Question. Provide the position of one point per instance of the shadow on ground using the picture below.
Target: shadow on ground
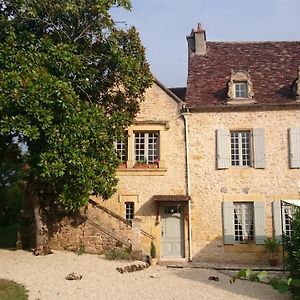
(245, 289)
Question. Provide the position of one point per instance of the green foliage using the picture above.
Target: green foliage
(152, 250)
(80, 248)
(272, 245)
(10, 290)
(118, 253)
(70, 83)
(282, 285)
(249, 275)
(8, 236)
(292, 246)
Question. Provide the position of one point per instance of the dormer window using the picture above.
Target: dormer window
(240, 88)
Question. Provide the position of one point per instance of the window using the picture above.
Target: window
(243, 222)
(240, 148)
(129, 211)
(121, 148)
(240, 89)
(287, 215)
(146, 146)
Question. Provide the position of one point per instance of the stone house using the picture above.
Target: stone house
(203, 178)
(244, 144)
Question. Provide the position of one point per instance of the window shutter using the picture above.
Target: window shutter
(259, 148)
(259, 222)
(294, 143)
(223, 148)
(228, 222)
(277, 217)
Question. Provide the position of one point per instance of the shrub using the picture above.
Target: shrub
(118, 253)
(152, 250)
(292, 246)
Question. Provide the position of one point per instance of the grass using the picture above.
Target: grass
(10, 290)
(8, 236)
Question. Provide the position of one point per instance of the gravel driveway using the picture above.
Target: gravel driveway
(44, 277)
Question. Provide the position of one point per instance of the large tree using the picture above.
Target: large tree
(70, 83)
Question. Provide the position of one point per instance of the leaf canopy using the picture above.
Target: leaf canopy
(70, 82)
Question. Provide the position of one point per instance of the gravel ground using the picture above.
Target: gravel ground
(44, 277)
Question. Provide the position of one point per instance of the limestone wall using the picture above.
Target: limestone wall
(139, 186)
(210, 186)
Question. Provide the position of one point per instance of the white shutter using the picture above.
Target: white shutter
(277, 219)
(259, 148)
(228, 222)
(259, 222)
(294, 149)
(223, 148)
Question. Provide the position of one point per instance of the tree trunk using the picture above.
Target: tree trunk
(41, 230)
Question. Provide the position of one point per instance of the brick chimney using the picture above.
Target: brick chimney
(197, 41)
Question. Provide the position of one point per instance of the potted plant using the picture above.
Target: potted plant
(141, 164)
(153, 259)
(272, 247)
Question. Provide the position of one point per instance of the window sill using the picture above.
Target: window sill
(142, 172)
(239, 101)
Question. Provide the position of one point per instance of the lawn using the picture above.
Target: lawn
(10, 290)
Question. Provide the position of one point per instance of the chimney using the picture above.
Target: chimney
(197, 41)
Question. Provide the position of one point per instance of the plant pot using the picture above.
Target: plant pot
(153, 166)
(140, 166)
(274, 262)
(153, 261)
(122, 166)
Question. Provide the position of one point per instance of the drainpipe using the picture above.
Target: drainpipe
(185, 114)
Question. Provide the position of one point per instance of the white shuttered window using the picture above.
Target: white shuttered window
(244, 148)
(243, 222)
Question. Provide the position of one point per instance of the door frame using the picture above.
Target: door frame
(183, 208)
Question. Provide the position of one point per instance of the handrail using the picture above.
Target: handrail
(96, 204)
(105, 231)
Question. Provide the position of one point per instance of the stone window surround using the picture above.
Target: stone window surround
(144, 126)
(240, 77)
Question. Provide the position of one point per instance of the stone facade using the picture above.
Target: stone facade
(211, 186)
(158, 112)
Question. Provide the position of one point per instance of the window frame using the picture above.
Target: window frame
(240, 89)
(242, 162)
(247, 235)
(121, 148)
(148, 151)
(129, 210)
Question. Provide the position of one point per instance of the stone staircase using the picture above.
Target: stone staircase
(98, 229)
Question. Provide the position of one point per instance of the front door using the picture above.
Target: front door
(172, 233)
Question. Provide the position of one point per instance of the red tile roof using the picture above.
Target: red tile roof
(273, 69)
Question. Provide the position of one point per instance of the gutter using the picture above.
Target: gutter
(185, 114)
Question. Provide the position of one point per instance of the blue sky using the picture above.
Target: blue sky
(163, 26)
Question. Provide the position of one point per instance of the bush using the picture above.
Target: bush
(118, 253)
(292, 246)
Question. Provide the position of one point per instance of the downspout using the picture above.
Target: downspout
(185, 114)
